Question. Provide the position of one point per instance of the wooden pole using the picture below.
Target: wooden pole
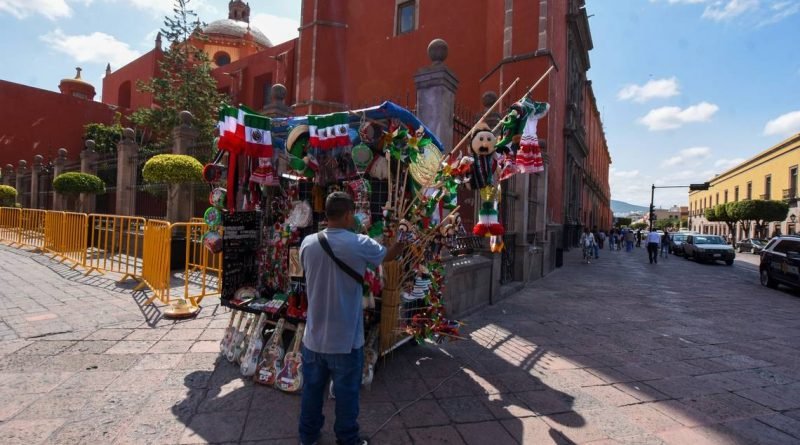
(466, 136)
(529, 92)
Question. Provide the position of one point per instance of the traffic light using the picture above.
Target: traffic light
(652, 212)
(703, 186)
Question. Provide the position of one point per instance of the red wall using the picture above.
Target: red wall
(35, 121)
(143, 68)
(257, 68)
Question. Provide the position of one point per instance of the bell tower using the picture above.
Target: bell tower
(239, 11)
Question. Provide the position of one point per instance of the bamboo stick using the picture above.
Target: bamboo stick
(529, 92)
(488, 111)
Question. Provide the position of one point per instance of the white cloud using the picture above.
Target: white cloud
(96, 47)
(725, 164)
(780, 11)
(624, 173)
(687, 155)
(784, 125)
(657, 88)
(668, 118)
(278, 29)
(722, 10)
(52, 9)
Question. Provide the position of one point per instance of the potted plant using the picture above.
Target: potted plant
(72, 184)
(8, 196)
(177, 171)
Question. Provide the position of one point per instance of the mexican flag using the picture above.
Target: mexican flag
(227, 126)
(328, 131)
(258, 137)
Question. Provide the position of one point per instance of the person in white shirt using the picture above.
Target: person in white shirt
(653, 240)
(587, 244)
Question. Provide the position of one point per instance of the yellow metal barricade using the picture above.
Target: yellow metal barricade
(115, 245)
(31, 232)
(203, 269)
(156, 260)
(9, 224)
(65, 236)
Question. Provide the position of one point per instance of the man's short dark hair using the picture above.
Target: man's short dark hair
(338, 204)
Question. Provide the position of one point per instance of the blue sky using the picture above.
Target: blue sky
(686, 88)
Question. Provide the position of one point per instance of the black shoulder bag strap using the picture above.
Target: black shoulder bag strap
(323, 241)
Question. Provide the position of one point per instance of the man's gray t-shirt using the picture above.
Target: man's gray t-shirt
(335, 323)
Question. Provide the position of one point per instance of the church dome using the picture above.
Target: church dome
(236, 29)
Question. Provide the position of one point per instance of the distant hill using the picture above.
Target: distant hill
(619, 207)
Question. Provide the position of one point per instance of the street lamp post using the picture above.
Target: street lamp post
(692, 187)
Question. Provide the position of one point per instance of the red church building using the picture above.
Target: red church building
(361, 52)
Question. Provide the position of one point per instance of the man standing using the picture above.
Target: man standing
(653, 239)
(334, 261)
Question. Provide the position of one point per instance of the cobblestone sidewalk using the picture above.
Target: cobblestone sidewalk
(614, 352)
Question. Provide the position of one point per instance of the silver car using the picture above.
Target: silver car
(709, 248)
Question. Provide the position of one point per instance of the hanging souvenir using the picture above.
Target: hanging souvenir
(362, 157)
(488, 223)
(212, 240)
(300, 216)
(529, 156)
(213, 217)
(297, 150)
(217, 197)
(511, 129)
(483, 147)
(264, 174)
(426, 166)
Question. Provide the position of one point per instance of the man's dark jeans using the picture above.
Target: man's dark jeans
(652, 252)
(345, 371)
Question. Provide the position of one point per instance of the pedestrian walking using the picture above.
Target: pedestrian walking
(596, 246)
(601, 238)
(639, 238)
(653, 239)
(612, 239)
(334, 261)
(665, 245)
(629, 240)
(588, 244)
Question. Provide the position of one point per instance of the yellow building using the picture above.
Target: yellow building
(770, 175)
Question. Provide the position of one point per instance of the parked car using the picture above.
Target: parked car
(702, 247)
(780, 262)
(676, 241)
(752, 245)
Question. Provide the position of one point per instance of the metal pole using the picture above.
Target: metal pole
(652, 210)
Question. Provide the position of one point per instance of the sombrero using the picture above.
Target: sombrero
(294, 134)
(181, 309)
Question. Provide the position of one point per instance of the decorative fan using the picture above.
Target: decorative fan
(426, 166)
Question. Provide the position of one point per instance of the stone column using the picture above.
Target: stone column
(127, 161)
(180, 203)
(277, 106)
(436, 93)
(58, 168)
(35, 172)
(488, 99)
(8, 175)
(22, 168)
(88, 159)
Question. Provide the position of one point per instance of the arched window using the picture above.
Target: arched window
(124, 95)
(222, 58)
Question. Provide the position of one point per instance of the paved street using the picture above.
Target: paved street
(615, 352)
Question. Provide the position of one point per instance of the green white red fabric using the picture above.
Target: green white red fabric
(529, 156)
(488, 222)
(328, 132)
(258, 136)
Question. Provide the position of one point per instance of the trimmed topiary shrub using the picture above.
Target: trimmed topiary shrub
(73, 183)
(172, 169)
(8, 196)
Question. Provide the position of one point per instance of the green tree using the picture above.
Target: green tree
(622, 222)
(727, 214)
(184, 82)
(760, 213)
(639, 225)
(664, 224)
